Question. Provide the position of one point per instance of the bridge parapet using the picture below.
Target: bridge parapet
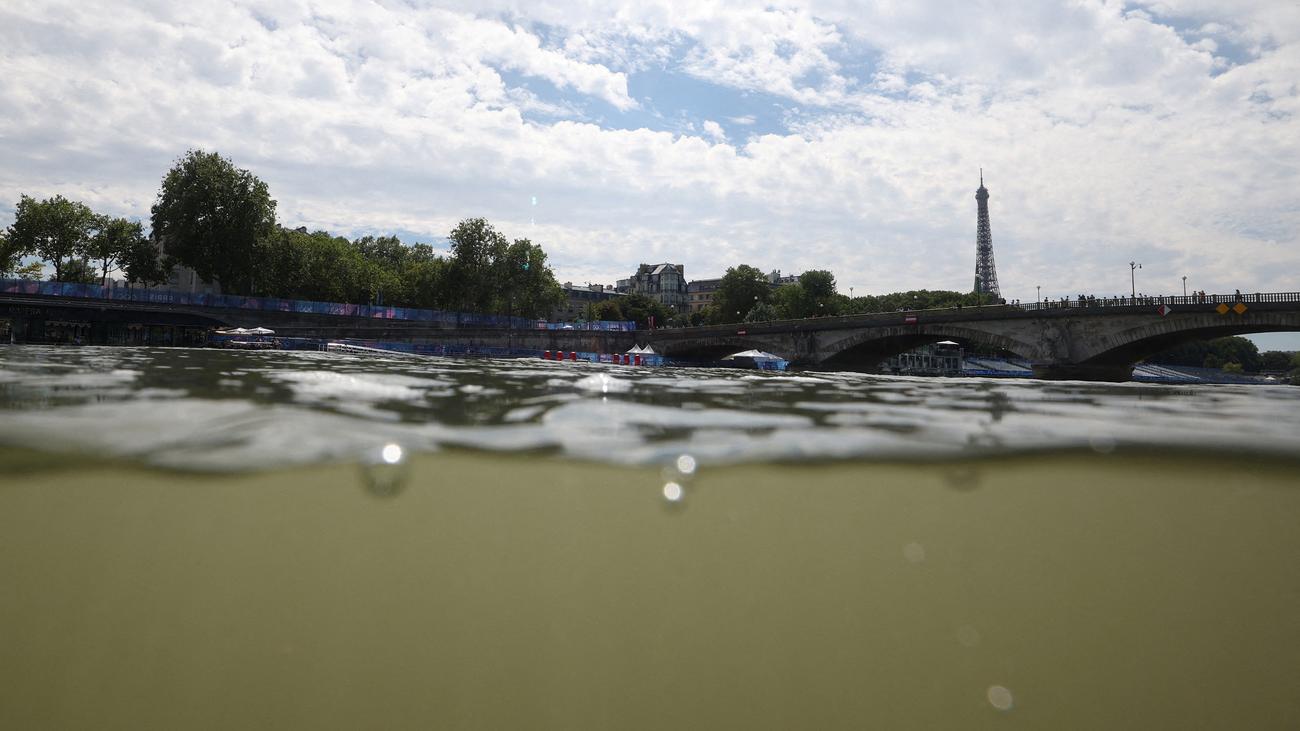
(1094, 339)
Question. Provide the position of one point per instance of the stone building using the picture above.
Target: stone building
(664, 283)
(576, 299)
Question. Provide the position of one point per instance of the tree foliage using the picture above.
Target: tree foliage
(741, 288)
(78, 271)
(213, 217)
(56, 229)
(636, 307)
(1213, 354)
(31, 272)
(1278, 360)
(114, 239)
(10, 256)
(489, 273)
(143, 263)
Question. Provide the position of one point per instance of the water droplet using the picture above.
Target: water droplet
(385, 470)
(914, 552)
(686, 464)
(1000, 698)
(673, 492)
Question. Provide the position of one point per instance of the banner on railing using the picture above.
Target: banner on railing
(274, 304)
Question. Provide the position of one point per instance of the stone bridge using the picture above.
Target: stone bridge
(1098, 340)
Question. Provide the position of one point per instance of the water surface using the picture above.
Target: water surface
(207, 539)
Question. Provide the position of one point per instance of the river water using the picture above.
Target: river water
(231, 539)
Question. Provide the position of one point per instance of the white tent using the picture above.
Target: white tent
(261, 331)
(235, 331)
(753, 354)
(647, 350)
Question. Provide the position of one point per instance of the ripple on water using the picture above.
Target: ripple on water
(239, 409)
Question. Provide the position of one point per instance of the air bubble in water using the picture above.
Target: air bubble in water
(914, 552)
(681, 470)
(673, 492)
(385, 470)
(686, 464)
(1000, 698)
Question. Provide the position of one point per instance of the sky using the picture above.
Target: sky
(835, 135)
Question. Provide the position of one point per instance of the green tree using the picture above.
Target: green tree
(475, 245)
(1275, 360)
(113, 240)
(31, 272)
(55, 229)
(818, 284)
(610, 310)
(639, 308)
(387, 251)
(762, 312)
(425, 282)
(1213, 354)
(317, 266)
(78, 271)
(143, 263)
(214, 217)
(741, 288)
(525, 285)
(10, 257)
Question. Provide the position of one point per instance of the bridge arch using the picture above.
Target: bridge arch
(1129, 346)
(868, 348)
(712, 348)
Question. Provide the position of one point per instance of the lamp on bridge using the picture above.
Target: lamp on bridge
(1132, 277)
(1184, 285)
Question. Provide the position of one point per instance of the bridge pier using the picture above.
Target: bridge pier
(1083, 372)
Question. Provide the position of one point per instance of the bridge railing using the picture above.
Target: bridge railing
(274, 304)
(1146, 300)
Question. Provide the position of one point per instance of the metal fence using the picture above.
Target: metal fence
(1086, 301)
(274, 304)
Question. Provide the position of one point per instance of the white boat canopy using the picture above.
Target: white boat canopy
(753, 354)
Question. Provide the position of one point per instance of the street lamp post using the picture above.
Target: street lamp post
(1132, 278)
(1184, 285)
(1039, 287)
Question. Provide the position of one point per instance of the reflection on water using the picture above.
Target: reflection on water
(212, 409)
(409, 543)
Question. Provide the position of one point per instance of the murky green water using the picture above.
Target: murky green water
(205, 539)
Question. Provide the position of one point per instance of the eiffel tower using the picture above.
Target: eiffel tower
(986, 273)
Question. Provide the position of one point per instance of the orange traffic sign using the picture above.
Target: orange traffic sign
(1222, 309)
(1239, 308)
